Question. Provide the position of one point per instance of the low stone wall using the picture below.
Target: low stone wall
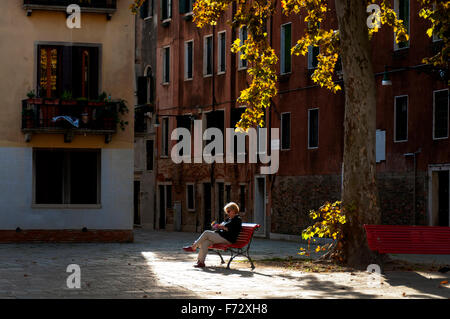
(294, 196)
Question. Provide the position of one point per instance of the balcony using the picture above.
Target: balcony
(57, 116)
(107, 7)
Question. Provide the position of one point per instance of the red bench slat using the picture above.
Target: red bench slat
(243, 239)
(402, 239)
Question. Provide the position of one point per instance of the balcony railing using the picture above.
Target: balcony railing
(69, 118)
(96, 6)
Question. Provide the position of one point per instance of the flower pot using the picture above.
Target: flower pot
(69, 102)
(52, 101)
(35, 101)
(92, 103)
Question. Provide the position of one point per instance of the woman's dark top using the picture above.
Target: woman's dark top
(234, 226)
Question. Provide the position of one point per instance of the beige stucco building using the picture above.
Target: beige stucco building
(66, 164)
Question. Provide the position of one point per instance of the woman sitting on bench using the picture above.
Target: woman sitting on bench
(225, 233)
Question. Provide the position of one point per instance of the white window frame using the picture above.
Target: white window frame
(281, 131)
(282, 49)
(169, 11)
(205, 54)
(186, 62)
(434, 114)
(187, 197)
(396, 9)
(395, 118)
(240, 61)
(318, 127)
(164, 80)
(219, 49)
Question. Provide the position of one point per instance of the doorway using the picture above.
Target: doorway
(165, 203)
(259, 216)
(136, 203)
(439, 202)
(207, 206)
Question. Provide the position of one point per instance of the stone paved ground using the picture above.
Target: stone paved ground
(154, 266)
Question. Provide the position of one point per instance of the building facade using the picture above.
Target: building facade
(199, 79)
(144, 141)
(66, 139)
(197, 83)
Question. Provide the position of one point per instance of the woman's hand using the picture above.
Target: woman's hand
(222, 227)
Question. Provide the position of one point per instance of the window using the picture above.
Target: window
(221, 58)
(146, 10)
(285, 131)
(313, 128)
(207, 55)
(402, 9)
(243, 37)
(235, 117)
(149, 144)
(190, 196)
(166, 65)
(401, 119)
(216, 119)
(242, 197)
(440, 114)
(74, 69)
(184, 121)
(313, 52)
(67, 177)
(186, 6)
(188, 59)
(145, 93)
(166, 9)
(286, 44)
(165, 137)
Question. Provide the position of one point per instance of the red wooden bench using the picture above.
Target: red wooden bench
(400, 239)
(242, 245)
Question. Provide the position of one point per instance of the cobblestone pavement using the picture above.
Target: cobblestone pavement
(154, 266)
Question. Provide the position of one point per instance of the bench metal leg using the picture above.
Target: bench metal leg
(240, 252)
(221, 258)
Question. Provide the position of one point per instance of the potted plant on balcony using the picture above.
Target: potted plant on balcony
(100, 101)
(32, 98)
(67, 99)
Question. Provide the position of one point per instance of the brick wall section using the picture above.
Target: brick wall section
(66, 236)
(396, 191)
(294, 196)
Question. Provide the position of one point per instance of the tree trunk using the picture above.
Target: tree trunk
(359, 194)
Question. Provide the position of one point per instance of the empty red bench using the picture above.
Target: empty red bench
(242, 245)
(401, 239)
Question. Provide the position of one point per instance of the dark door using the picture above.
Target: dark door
(221, 200)
(162, 208)
(136, 202)
(443, 200)
(207, 207)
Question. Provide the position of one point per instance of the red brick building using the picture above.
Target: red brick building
(199, 78)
